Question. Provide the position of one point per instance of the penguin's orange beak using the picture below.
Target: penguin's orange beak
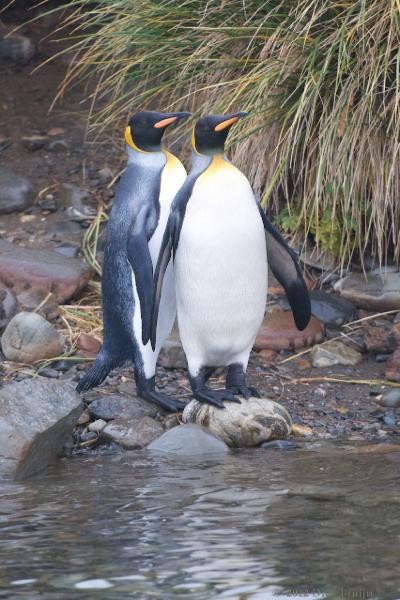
(226, 124)
(165, 122)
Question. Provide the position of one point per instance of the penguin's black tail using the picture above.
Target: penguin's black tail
(97, 372)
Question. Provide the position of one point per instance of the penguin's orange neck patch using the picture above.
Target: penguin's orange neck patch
(218, 165)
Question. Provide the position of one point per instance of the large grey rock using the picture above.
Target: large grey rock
(40, 301)
(189, 440)
(379, 291)
(132, 434)
(29, 337)
(36, 418)
(22, 268)
(16, 192)
(8, 306)
(247, 424)
(334, 353)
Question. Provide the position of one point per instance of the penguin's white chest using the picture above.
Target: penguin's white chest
(220, 269)
(172, 178)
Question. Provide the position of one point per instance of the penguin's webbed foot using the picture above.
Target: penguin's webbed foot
(146, 390)
(236, 382)
(162, 400)
(245, 391)
(215, 397)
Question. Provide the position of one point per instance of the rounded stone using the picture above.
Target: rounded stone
(248, 424)
(29, 337)
(16, 192)
(391, 399)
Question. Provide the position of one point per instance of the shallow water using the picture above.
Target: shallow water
(321, 522)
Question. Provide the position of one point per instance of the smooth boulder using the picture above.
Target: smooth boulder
(36, 418)
(188, 440)
(16, 192)
(29, 337)
(248, 424)
(376, 291)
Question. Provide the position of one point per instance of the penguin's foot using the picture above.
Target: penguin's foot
(236, 382)
(245, 391)
(162, 400)
(146, 390)
(214, 397)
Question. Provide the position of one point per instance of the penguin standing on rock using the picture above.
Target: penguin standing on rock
(221, 239)
(135, 231)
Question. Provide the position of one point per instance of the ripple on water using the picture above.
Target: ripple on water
(323, 522)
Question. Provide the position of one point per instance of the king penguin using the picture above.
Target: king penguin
(220, 239)
(135, 230)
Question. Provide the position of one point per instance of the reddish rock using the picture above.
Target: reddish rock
(302, 363)
(23, 268)
(384, 338)
(40, 301)
(88, 345)
(392, 371)
(279, 332)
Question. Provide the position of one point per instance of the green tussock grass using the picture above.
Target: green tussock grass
(321, 79)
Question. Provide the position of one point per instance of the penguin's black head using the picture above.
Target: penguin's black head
(145, 129)
(210, 133)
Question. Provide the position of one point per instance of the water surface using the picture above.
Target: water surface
(321, 522)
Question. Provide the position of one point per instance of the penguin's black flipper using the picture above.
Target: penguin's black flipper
(140, 261)
(284, 265)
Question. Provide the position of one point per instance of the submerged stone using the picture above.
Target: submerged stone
(376, 291)
(189, 440)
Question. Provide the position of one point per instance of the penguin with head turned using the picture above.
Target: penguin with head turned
(135, 232)
(221, 241)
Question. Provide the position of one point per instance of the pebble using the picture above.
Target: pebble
(8, 306)
(97, 426)
(16, 192)
(14, 46)
(88, 345)
(391, 399)
(131, 434)
(59, 146)
(381, 358)
(29, 337)
(392, 371)
(49, 372)
(301, 430)
(245, 424)
(390, 421)
(84, 418)
(334, 353)
(189, 440)
(105, 175)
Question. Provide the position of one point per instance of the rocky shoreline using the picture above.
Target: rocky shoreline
(338, 378)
